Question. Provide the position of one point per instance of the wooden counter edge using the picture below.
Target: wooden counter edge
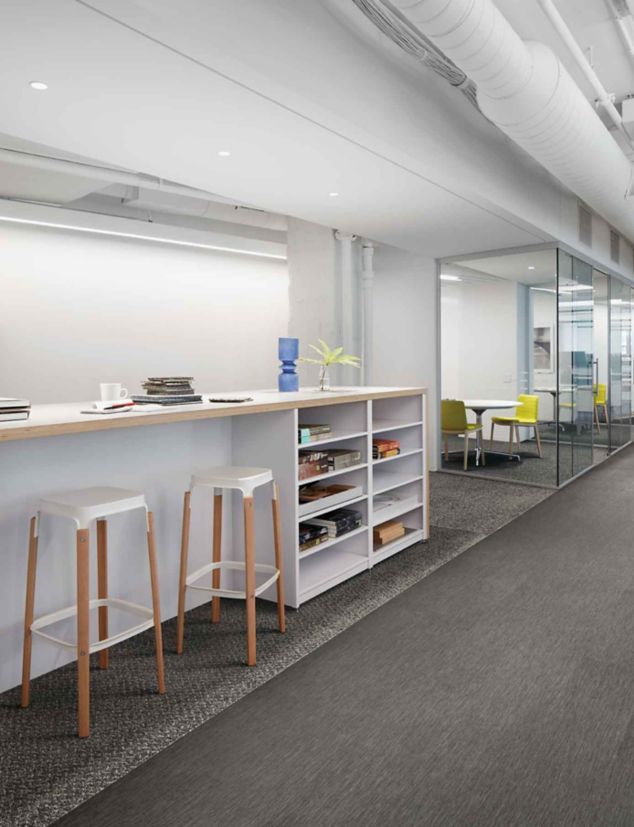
(131, 420)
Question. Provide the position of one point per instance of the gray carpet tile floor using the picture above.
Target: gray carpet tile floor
(533, 468)
(495, 693)
(46, 771)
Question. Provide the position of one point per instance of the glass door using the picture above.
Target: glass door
(601, 348)
(620, 390)
(575, 399)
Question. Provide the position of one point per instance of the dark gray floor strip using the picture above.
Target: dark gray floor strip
(496, 692)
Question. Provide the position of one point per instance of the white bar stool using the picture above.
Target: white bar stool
(245, 480)
(84, 507)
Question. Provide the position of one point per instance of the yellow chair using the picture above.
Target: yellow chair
(526, 415)
(453, 420)
(600, 392)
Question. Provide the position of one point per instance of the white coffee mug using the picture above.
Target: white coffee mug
(112, 391)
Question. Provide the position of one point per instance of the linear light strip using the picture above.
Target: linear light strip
(140, 237)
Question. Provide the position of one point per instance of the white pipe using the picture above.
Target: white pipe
(525, 90)
(552, 13)
(367, 309)
(346, 297)
(111, 176)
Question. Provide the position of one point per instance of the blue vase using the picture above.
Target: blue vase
(288, 353)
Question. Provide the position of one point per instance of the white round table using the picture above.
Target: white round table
(479, 406)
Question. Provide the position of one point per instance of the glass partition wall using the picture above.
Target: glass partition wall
(536, 344)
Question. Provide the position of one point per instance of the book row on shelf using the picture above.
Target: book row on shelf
(12, 409)
(314, 463)
(317, 530)
(384, 448)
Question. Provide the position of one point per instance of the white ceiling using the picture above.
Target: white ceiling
(159, 87)
(515, 267)
(305, 96)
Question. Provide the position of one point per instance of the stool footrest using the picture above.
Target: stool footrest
(110, 602)
(232, 565)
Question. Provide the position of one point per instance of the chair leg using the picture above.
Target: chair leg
(517, 437)
(491, 437)
(596, 418)
(83, 631)
(217, 552)
(249, 565)
(482, 451)
(510, 439)
(156, 604)
(446, 449)
(538, 441)
(182, 590)
(28, 612)
(102, 586)
(607, 415)
(277, 537)
(466, 451)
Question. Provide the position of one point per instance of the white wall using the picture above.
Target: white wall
(79, 309)
(405, 328)
(479, 341)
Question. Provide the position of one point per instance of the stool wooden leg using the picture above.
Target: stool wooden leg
(156, 604)
(217, 551)
(83, 631)
(277, 536)
(249, 561)
(102, 586)
(28, 612)
(182, 590)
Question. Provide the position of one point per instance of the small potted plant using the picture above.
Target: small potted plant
(328, 357)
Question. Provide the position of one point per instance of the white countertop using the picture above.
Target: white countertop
(66, 418)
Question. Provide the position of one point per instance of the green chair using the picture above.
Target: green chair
(453, 421)
(600, 401)
(525, 415)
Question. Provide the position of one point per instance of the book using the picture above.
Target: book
(11, 416)
(383, 448)
(310, 536)
(312, 469)
(311, 456)
(162, 399)
(339, 458)
(388, 531)
(337, 522)
(11, 402)
(393, 452)
(314, 496)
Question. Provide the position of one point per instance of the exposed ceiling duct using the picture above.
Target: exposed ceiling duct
(524, 89)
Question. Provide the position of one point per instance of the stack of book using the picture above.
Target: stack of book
(13, 409)
(339, 458)
(337, 522)
(311, 535)
(384, 448)
(312, 463)
(312, 433)
(386, 532)
(168, 390)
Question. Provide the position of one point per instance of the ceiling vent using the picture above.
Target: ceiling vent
(615, 246)
(585, 226)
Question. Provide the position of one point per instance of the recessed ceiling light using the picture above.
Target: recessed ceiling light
(531, 267)
(39, 85)
(444, 277)
(224, 153)
(333, 194)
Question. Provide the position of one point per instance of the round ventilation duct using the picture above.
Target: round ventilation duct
(525, 90)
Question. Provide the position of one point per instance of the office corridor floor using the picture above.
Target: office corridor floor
(45, 771)
(497, 691)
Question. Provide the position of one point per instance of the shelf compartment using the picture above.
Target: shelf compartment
(411, 536)
(387, 481)
(398, 456)
(384, 515)
(332, 474)
(305, 515)
(321, 572)
(334, 436)
(330, 543)
(380, 426)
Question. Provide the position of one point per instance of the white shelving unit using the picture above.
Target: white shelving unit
(271, 440)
